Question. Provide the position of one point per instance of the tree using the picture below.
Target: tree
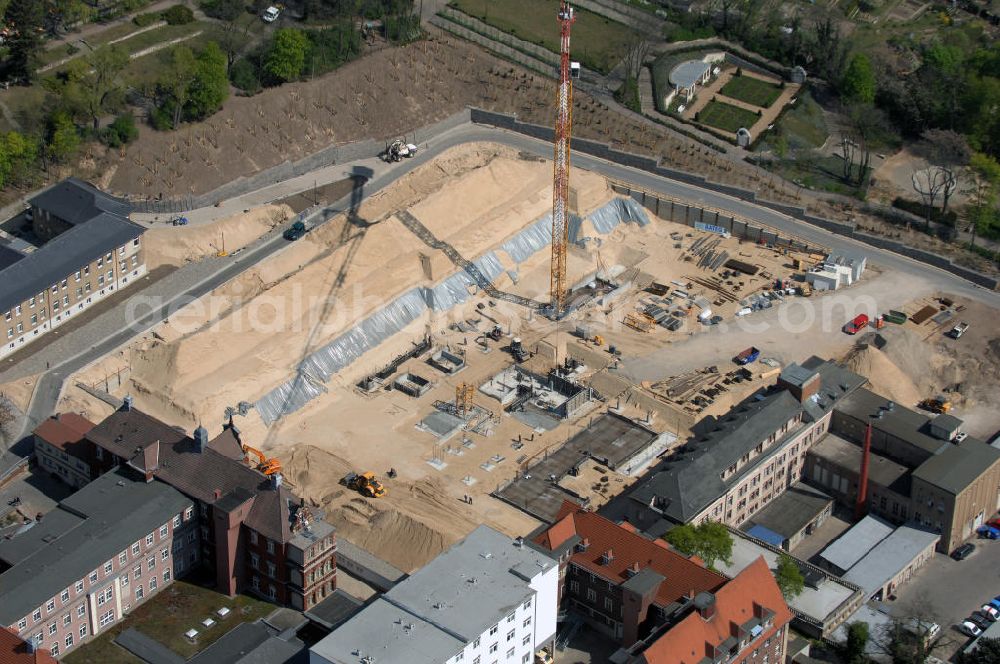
(947, 150)
(857, 641)
(930, 183)
(710, 541)
(982, 213)
(63, 138)
(94, 82)
(24, 19)
(62, 13)
(635, 55)
(225, 10)
(987, 651)
(287, 55)
(912, 638)
(22, 154)
(858, 82)
(177, 84)
(789, 576)
(209, 87)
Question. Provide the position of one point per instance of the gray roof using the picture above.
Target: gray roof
(947, 422)
(688, 73)
(958, 466)
(694, 480)
(797, 375)
(791, 511)
(855, 544)
(473, 584)
(836, 385)
(882, 470)
(75, 202)
(890, 557)
(336, 608)
(900, 422)
(391, 635)
(9, 256)
(253, 643)
(63, 255)
(113, 511)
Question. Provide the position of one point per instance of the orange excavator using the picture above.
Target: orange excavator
(264, 464)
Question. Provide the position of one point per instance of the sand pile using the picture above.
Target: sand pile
(395, 537)
(175, 245)
(885, 377)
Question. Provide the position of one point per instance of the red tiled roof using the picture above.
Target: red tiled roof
(13, 650)
(681, 576)
(689, 641)
(64, 429)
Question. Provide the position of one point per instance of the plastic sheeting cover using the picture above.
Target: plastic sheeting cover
(322, 364)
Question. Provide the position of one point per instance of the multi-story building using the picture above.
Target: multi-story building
(103, 551)
(737, 464)
(90, 250)
(487, 599)
(255, 533)
(62, 450)
(920, 469)
(661, 606)
(15, 650)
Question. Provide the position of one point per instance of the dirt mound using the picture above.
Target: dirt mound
(885, 377)
(397, 538)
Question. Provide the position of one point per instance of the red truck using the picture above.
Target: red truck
(859, 323)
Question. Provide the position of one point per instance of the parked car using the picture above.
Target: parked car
(979, 620)
(295, 231)
(271, 14)
(969, 629)
(964, 551)
(988, 532)
(990, 612)
(995, 603)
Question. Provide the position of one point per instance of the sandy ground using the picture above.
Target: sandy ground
(19, 391)
(176, 245)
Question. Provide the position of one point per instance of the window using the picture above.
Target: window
(77, 276)
(510, 653)
(108, 567)
(64, 596)
(79, 586)
(525, 657)
(17, 310)
(591, 595)
(135, 547)
(271, 569)
(527, 621)
(253, 536)
(272, 592)
(52, 628)
(40, 637)
(108, 257)
(254, 561)
(149, 539)
(10, 333)
(177, 521)
(64, 284)
(166, 576)
(152, 584)
(50, 606)
(164, 554)
(188, 513)
(494, 647)
(31, 302)
(510, 635)
(609, 604)
(83, 630)
(67, 619)
(510, 618)
(270, 546)
(20, 328)
(125, 580)
(81, 610)
(163, 531)
(107, 618)
(493, 630)
(123, 557)
(93, 576)
(526, 640)
(255, 582)
(22, 623)
(135, 242)
(475, 644)
(139, 593)
(476, 660)
(54, 650)
(137, 572)
(151, 562)
(111, 275)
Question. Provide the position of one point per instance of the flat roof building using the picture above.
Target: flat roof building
(791, 517)
(844, 552)
(892, 561)
(487, 597)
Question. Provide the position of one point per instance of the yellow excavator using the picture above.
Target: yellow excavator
(264, 464)
(939, 404)
(365, 484)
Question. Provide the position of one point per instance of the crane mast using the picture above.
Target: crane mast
(560, 180)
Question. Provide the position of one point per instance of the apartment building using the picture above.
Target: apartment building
(90, 250)
(62, 450)
(487, 599)
(253, 531)
(737, 464)
(103, 551)
(919, 470)
(659, 605)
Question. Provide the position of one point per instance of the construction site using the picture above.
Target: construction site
(482, 338)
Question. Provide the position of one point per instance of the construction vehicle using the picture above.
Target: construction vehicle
(938, 404)
(598, 340)
(399, 150)
(496, 333)
(268, 466)
(517, 350)
(365, 484)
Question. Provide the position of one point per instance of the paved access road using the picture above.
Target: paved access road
(211, 273)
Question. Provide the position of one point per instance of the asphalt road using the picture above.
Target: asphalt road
(46, 395)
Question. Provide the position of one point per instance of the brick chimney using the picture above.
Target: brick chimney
(151, 459)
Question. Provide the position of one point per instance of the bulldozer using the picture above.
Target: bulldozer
(365, 484)
(264, 464)
(938, 404)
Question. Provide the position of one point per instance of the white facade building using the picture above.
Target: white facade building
(486, 600)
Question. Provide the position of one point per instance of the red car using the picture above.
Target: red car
(859, 323)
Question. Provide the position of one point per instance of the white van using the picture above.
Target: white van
(271, 14)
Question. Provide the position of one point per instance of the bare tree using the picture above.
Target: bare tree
(914, 637)
(636, 51)
(949, 151)
(931, 183)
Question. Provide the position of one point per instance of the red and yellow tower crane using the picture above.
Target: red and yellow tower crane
(560, 180)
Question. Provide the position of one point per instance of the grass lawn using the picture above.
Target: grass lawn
(751, 90)
(803, 125)
(598, 42)
(817, 172)
(166, 617)
(726, 117)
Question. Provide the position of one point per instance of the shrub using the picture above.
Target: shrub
(149, 18)
(120, 132)
(920, 209)
(243, 75)
(178, 15)
(162, 117)
(739, 71)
